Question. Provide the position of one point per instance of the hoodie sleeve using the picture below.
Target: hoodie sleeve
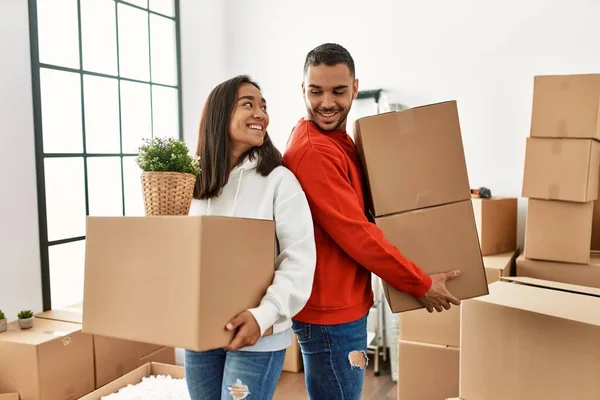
(296, 262)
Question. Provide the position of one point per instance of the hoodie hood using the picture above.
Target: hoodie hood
(237, 173)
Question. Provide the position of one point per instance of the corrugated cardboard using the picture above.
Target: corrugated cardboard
(561, 169)
(135, 377)
(531, 339)
(166, 355)
(575, 274)
(413, 158)
(433, 328)
(174, 281)
(496, 221)
(437, 239)
(51, 361)
(293, 357)
(499, 265)
(566, 106)
(442, 376)
(9, 396)
(558, 231)
(145, 349)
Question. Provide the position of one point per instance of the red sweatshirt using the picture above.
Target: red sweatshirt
(349, 246)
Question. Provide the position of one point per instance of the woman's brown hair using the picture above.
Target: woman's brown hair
(214, 141)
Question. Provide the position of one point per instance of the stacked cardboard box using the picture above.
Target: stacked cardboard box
(417, 178)
(562, 169)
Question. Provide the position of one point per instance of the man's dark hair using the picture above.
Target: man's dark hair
(329, 54)
(213, 141)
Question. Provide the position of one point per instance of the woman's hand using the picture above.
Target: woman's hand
(248, 331)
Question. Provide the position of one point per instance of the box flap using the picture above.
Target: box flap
(543, 299)
(174, 371)
(43, 330)
(565, 287)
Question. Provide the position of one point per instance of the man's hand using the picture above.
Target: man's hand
(248, 331)
(438, 297)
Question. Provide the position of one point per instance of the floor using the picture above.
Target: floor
(292, 387)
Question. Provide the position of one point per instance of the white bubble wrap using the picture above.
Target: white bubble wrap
(153, 387)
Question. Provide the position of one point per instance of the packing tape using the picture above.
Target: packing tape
(556, 148)
(553, 191)
(561, 128)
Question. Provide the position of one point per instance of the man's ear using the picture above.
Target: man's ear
(355, 89)
(303, 95)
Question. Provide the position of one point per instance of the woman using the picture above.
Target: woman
(242, 176)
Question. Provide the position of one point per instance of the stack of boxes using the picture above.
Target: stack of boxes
(420, 198)
(562, 169)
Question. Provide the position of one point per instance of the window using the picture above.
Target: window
(105, 75)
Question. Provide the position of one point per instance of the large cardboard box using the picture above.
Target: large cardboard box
(531, 339)
(566, 106)
(293, 357)
(413, 158)
(51, 361)
(499, 265)
(442, 364)
(496, 221)
(596, 226)
(558, 231)
(174, 281)
(9, 396)
(437, 239)
(575, 274)
(433, 328)
(561, 169)
(134, 377)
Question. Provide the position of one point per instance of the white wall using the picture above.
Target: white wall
(20, 275)
(483, 54)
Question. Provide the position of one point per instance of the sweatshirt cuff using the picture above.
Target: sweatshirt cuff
(266, 314)
(422, 288)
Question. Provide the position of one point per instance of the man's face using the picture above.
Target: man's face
(328, 93)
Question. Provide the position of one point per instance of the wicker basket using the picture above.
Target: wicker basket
(167, 193)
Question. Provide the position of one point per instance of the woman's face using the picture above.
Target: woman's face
(249, 120)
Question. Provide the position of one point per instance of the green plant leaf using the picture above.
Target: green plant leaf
(166, 155)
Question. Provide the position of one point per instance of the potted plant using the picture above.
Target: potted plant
(3, 324)
(25, 319)
(168, 177)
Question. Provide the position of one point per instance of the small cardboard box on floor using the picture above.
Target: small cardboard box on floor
(112, 357)
(293, 357)
(496, 220)
(531, 339)
(51, 361)
(134, 377)
(174, 281)
(499, 265)
(575, 274)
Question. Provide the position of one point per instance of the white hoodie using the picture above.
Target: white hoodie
(277, 197)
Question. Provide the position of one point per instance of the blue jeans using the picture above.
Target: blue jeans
(335, 358)
(218, 374)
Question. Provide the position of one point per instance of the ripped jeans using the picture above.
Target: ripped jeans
(218, 374)
(335, 358)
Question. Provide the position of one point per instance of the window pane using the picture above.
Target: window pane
(162, 43)
(65, 197)
(99, 36)
(134, 200)
(165, 111)
(61, 111)
(140, 3)
(133, 43)
(104, 186)
(66, 273)
(101, 106)
(136, 120)
(58, 32)
(165, 7)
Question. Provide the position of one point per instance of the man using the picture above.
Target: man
(331, 328)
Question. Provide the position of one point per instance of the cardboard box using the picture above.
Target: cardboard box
(174, 281)
(433, 328)
(145, 349)
(293, 357)
(496, 221)
(165, 355)
(575, 274)
(52, 360)
(135, 377)
(531, 339)
(437, 239)
(561, 169)
(9, 396)
(413, 158)
(566, 106)
(442, 363)
(558, 231)
(499, 265)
